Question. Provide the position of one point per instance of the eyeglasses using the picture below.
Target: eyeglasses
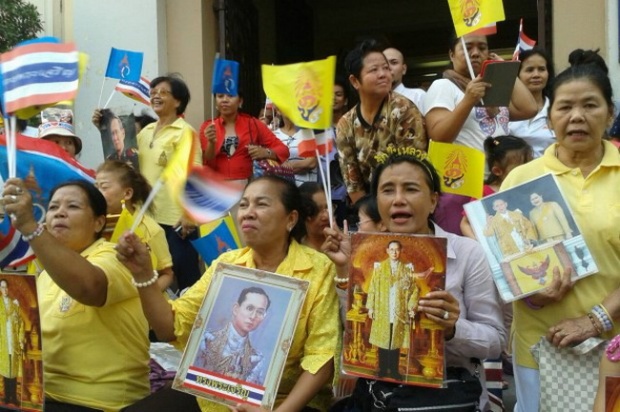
(254, 311)
(159, 92)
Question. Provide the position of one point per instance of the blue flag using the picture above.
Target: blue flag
(220, 240)
(225, 77)
(125, 65)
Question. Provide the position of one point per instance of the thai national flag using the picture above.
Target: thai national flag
(135, 90)
(42, 165)
(207, 196)
(38, 74)
(313, 140)
(523, 43)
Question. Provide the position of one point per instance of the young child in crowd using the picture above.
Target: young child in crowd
(124, 187)
(503, 154)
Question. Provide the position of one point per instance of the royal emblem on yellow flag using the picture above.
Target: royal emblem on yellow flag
(471, 15)
(304, 92)
(461, 168)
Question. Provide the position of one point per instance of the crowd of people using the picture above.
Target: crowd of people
(100, 298)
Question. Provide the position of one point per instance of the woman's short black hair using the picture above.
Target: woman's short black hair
(291, 200)
(307, 190)
(96, 201)
(179, 89)
(354, 62)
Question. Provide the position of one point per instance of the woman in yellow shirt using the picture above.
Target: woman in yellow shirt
(270, 217)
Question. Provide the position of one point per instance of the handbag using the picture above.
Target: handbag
(568, 376)
(461, 394)
(269, 167)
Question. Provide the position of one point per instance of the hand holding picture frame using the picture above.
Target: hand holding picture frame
(241, 337)
(526, 232)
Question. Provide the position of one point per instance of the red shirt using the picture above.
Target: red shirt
(232, 158)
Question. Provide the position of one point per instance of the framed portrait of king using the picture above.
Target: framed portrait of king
(386, 337)
(21, 364)
(241, 337)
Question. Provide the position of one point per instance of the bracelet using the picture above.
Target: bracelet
(531, 304)
(269, 153)
(597, 327)
(612, 349)
(148, 283)
(602, 315)
(341, 280)
(37, 232)
(604, 309)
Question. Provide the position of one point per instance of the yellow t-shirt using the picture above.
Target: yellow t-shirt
(317, 335)
(95, 356)
(595, 202)
(153, 154)
(155, 236)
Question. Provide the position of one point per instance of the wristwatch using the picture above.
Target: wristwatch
(269, 153)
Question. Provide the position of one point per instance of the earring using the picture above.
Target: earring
(123, 204)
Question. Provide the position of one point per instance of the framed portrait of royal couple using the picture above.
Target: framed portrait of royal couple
(527, 232)
(386, 338)
(241, 337)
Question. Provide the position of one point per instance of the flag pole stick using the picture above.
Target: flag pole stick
(109, 98)
(325, 188)
(9, 123)
(468, 60)
(217, 56)
(101, 93)
(328, 192)
(13, 171)
(156, 188)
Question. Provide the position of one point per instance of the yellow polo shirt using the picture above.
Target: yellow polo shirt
(595, 202)
(317, 336)
(95, 357)
(154, 152)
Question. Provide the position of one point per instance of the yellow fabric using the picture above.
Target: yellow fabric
(469, 16)
(154, 159)
(155, 236)
(304, 92)
(550, 222)
(406, 299)
(595, 202)
(95, 357)
(317, 335)
(461, 168)
(502, 230)
(10, 313)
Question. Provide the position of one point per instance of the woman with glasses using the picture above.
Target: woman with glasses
(235, 140)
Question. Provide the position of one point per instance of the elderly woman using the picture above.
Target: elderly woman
(454, 113)
(235, 140)
(270, 216)
(156, 144)
(468, 310)
(587, 169)
(95, 340)
(536, 73)
(379, 119)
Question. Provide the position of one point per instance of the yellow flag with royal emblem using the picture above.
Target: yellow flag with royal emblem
(304, 92)
(461, 168)
(471, 15)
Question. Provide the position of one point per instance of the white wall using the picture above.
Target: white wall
(95, 27)
(612, 46)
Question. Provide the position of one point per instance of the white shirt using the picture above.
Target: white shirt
(478, 125)
(292, 142)
(415, 95)
(535, 131)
